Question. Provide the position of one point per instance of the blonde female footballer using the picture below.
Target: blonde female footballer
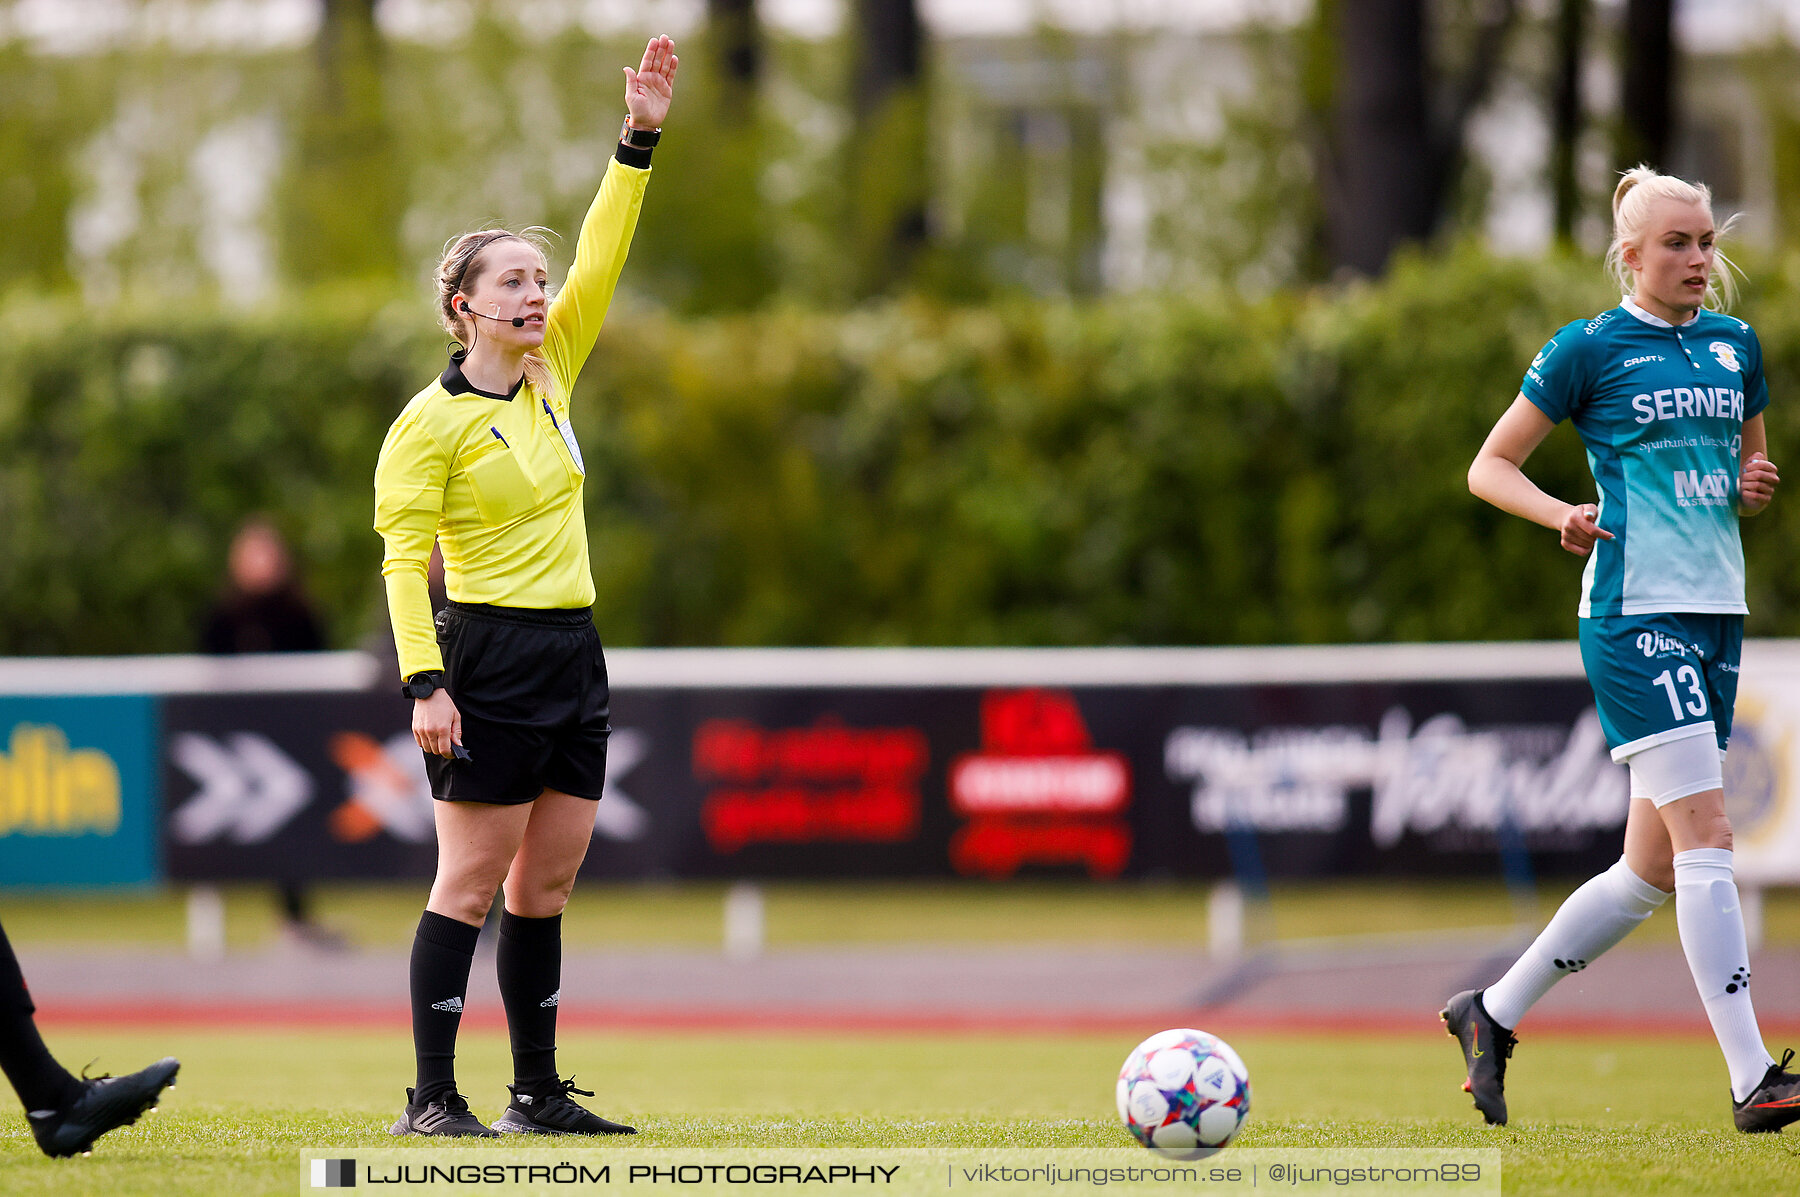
(1667, 394)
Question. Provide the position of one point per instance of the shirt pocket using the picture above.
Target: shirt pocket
(503, 488)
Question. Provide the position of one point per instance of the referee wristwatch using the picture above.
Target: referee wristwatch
(642, 139)
(423, 685)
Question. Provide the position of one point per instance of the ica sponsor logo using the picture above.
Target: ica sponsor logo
(1039, 792)
(1694, 489)
(1655, 644)
(1727, 355)
(47, 788)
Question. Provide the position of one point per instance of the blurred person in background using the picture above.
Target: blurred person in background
(66, 1113)
(1667, 395)
(510, 694)
(264, 610)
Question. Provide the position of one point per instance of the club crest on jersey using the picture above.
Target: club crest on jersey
(1727, 355)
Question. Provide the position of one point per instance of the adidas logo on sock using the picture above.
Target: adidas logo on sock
(450, 1005)
(525, 1099)
(553, 1000)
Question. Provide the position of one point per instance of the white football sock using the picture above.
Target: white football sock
(1712, 935)
(1592, 919)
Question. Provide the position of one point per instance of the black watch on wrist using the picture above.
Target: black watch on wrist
(643, 139)
(423, 685)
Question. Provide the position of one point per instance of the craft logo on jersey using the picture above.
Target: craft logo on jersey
(1727, 355)
(1655, 644)
(1694, 489)
(1629, 362)
(1038, 792)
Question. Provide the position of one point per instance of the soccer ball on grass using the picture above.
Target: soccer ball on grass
(1184, 1093)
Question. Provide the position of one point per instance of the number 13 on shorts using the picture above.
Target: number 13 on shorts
(1689, 679)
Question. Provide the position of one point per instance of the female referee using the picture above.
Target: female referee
(1668, 396)
(510, 695)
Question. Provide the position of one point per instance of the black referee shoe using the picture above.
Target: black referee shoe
(449, 1118)
(1773, 1104)
(105, 1103)
(553, 1113)
(1486, 1047)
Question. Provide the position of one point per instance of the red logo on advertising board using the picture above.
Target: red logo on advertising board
(389, 790)
(1038, 792)
(827, 783)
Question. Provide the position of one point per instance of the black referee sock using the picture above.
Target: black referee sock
(442, 952)
(529, 963)
(42, 1083)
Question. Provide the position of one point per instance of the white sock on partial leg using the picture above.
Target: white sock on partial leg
(1712, 935)
(1592, 919)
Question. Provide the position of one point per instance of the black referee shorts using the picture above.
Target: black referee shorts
(531, 687)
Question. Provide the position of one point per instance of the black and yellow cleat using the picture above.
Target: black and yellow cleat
(1774, 1102)
(1486, 1047)
(553, 1113)
(105, 1103)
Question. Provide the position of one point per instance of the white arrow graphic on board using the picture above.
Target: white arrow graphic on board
(616, 816)
(249, 788)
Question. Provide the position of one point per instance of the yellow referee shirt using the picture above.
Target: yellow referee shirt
(496, 479)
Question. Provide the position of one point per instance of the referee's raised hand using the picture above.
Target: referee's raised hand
(650, 89)
(437, 724)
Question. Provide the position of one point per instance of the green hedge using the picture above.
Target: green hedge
(1152, 470)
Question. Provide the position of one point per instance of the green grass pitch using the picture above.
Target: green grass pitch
(1593, 1116)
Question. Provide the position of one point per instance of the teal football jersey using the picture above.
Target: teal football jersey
(1661, 409)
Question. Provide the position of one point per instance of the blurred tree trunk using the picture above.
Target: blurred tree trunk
(1646, 107)
(890, 183)
(1398, 132)
(344, 197)
(1565, 116)
(737, 40)
(1387, 173)
(713, 237)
